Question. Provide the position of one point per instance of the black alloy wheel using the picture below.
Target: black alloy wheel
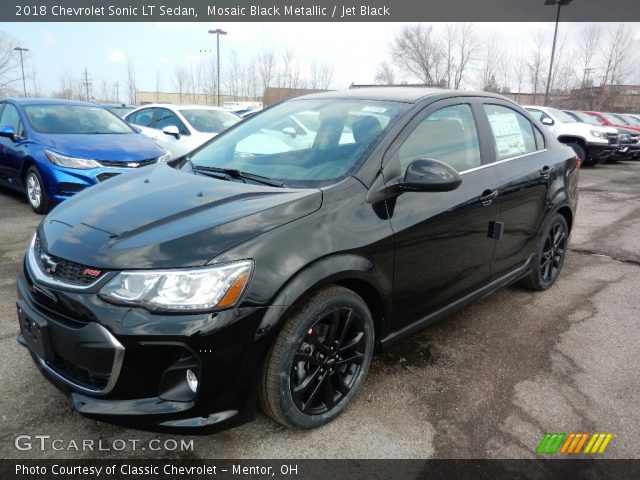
(550, 254)
(319, 360)
(328, 361)
(553, 253)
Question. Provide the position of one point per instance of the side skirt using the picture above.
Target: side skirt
(458, 304)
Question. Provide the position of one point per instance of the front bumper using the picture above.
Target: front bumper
(599, 152)
(127, 366)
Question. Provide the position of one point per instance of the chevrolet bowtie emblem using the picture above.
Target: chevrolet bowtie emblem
(48, 263)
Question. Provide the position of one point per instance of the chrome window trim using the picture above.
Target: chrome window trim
(116, 367)
(40, 275)
(498, 162)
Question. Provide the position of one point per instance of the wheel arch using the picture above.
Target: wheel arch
(354, 272)
(573, 139)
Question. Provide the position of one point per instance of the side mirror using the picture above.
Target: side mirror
(547, 121)
(289, 131)
(171, 130)
(7, 131)
(428, 175)
(136, 128)
(422, 175)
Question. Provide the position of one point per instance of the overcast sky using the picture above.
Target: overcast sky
(354, 49)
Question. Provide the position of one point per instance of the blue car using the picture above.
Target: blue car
(53, 149)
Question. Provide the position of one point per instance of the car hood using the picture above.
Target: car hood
(125, 147)
(160, 217)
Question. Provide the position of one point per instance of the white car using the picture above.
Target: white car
(591, 143)
(181, 128)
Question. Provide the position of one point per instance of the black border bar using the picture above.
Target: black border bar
(316, 11)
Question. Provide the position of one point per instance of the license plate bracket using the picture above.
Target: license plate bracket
(36, 333)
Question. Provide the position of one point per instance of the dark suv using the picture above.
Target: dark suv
(267, 266)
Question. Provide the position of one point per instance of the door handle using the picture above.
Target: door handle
(545, 172)
(488, 196)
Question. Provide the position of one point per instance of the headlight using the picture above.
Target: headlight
(166, 157)
(598, 134)
(205, 288)
(71, 162)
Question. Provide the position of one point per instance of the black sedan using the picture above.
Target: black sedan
(259, 271)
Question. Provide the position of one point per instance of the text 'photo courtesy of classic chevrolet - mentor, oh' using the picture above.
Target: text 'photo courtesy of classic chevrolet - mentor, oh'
(259, 271)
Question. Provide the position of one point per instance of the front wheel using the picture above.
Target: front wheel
(36, 192)
(319, 361)
(550, 254)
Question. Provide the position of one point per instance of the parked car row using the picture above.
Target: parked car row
(595, 137)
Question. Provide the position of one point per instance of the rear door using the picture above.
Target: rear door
(524, 169)
(442, 247)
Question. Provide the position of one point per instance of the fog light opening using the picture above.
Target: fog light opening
(192, 381)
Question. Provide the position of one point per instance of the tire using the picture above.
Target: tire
(36, 193)
(304, 382)
(581, 154)
(550, 254)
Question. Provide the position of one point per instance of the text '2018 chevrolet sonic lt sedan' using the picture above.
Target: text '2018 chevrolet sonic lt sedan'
(186, 293)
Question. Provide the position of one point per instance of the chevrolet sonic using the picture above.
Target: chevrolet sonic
(258, 271)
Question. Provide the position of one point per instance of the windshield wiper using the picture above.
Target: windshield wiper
(237, 174)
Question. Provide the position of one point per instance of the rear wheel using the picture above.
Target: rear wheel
(319, 361)
(36, 193)
(550, 254)
(581, 154)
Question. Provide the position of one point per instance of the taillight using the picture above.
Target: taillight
(578, 161)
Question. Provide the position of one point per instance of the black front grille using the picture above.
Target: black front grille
(79, 375)
(613, 138)
(106, 176)
(64, 270)
(125, 164)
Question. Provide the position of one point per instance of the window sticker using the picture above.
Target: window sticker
(506, 130)
(374, 109)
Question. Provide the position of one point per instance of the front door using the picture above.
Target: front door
(443, 248)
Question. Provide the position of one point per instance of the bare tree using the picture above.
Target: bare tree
(266, 64)
(417, 50)
(535, 65)
(520, 64)
(8, 64)
(321, 75)
(588, 44)
(234, 75)
(131, 81)
(158, 84)
(35, 83)
(180, 81)
(385, 75)
(66, 85)
(492, 59)
(467, 51)
(617, 54)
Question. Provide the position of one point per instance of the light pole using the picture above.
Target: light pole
(217, 33)
(24, 83)
(560, 4)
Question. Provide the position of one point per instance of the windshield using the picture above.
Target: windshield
(74, 119)
(585, 118)
(632, 120)
(210, 121)
(561, 116)
(613, 119)
(274, 145)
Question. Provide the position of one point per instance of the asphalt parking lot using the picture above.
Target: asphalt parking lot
(488, 382)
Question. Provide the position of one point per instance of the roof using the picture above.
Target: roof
(48, 101)
(181, 106)
(396, 94)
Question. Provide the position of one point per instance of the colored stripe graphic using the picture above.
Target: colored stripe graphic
(573, 443)
(551, 442)
(598, 443)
